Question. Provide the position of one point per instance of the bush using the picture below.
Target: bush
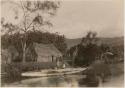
(31, 66)
(10, 73)
(11, 70)
(99, 68)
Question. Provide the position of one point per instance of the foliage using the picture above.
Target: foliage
(86, 55)
(38, 37)
(11, 73)
(36, 15)
(46, 38)
(118, 51)
(88, 50)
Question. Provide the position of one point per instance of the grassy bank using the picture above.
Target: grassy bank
(12, 72)
(117, 69)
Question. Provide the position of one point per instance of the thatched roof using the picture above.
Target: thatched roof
(109, 53)
(47, 50)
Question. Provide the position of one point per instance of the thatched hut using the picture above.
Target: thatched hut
(107, 57)
(47, 52)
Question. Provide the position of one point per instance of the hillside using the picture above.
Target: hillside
(111, 41)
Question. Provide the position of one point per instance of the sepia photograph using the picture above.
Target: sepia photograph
(62, 43)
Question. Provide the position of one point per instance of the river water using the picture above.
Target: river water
(55, 81)
(64, 81)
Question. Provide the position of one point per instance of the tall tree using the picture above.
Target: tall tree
(35, 16)
(86, 51)
(90, 38)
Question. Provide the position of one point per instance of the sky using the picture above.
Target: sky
(75, 18)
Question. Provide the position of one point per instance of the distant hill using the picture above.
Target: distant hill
(116, 41)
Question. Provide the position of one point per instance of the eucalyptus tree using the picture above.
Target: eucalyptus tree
(31, 16)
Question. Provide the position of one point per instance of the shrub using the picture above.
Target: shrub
(10, 73)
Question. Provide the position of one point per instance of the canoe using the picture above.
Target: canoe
(53, 72)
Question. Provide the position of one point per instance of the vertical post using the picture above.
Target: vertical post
(52, 58)
(74, 56)
(73, 59)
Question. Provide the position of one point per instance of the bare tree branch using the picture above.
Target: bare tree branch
(24, 15)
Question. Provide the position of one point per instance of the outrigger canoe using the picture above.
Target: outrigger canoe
(53, 72)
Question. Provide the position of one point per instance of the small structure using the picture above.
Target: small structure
(5, 56)
(9, 54)
(47, 53)
(107, 57)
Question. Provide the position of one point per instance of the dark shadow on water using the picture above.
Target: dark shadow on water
(86, 82)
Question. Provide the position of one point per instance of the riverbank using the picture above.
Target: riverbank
(114, 82)
(117, 76)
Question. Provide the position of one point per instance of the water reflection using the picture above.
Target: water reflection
(55, 81)
(66, 81)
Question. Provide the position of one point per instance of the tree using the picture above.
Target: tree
(86, 51)
(60, 43)
(35, 16)
(89, 39)
(37, 37)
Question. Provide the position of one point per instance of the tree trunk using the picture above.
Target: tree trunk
(24, 53)
(73, 60)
